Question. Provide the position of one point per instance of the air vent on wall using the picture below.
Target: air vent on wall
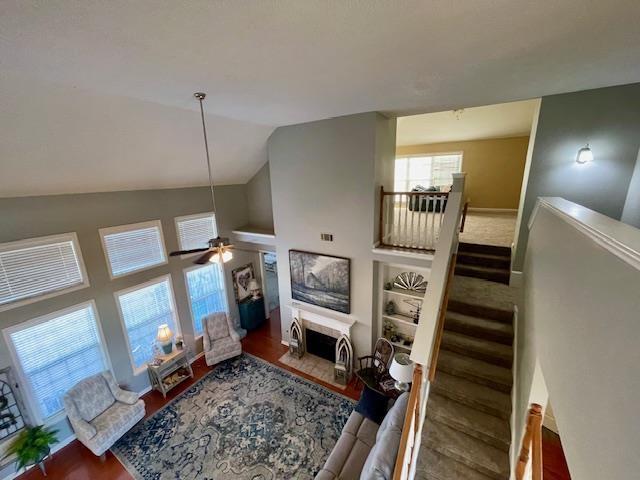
(327, 237)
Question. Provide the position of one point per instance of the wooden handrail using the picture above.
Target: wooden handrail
(410, 425)
(441, 319)
(426, 194)
(531, 442)
(464, 216)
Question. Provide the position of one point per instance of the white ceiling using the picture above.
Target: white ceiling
(492, 121)
(278, 62)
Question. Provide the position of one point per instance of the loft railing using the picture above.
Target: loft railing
(531, 443)
(411, 219)
(426, 344)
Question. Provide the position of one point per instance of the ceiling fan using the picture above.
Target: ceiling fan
(218, 250)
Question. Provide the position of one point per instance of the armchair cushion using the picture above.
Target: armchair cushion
(91, 397)
(220, 339)
(217, 327)
(113, 423)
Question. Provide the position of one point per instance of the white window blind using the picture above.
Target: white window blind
(131, 248)
(195, 231)
(143, 309)
(426, 170)
(38, 267)
(55, 352)
(206, 292)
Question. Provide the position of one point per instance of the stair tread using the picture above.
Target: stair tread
(481, 268)
(435, 466)
(472, 394)
(481, 327)
(481, 311)
(467, 247)
(492, 256)
(475, 370)
(487, 350)
(480, 425)
(465, 449)
(477, 291)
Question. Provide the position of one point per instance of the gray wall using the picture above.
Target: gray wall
(259, 199)
(84, 214)
(609, 120)
(323, 180)
(631, 212)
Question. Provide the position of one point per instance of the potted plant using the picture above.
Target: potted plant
(32, 445)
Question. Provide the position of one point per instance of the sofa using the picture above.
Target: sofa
(419, 203)
(366, 450)
(220, 340)
(100, 412)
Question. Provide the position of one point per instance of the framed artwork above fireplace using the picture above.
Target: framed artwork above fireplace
(322, 280)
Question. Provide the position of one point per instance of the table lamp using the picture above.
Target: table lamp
(254, 288)
(164, 338)
(402, 371)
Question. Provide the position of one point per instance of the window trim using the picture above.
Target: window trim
(193, 216)
(39, 241)
(430, 154)
(186, 270)
(128, 228)
(29, 399)
(176, 318)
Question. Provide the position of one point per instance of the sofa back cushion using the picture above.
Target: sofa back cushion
(217, 326)
(92, 396)
(395, 416)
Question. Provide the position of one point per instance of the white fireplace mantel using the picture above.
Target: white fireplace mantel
(342, 325)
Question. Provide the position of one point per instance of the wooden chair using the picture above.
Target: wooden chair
(374, 367)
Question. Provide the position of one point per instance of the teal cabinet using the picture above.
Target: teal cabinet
(251, 313)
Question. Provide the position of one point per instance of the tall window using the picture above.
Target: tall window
(131, 248)
(143, 309)
(426, 170)
(38, 268)
(205, 287)
(195, 231)
(56, 351)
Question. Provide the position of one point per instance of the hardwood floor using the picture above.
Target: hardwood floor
(76, 462)
(554, 464)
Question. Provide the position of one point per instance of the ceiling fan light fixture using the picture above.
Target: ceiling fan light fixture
(222, 256)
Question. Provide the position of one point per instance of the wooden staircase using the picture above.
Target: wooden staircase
(466, 433)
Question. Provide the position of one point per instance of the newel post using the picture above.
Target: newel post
(458, 182)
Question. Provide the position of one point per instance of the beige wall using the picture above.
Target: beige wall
(494, 168)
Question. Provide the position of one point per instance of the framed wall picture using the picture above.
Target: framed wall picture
(321, 280)
(241, 277)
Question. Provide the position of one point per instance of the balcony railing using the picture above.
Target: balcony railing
(411, 219)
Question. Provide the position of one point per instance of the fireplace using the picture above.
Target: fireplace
(321, 345)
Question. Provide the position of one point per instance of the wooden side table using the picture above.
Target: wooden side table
(174, 369)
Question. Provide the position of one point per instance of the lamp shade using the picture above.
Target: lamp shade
(585, 155)
(164, 333)
(253, 285)
(402, 368)
(223, 257)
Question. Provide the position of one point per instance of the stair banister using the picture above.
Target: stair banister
(531, 443)
(410, 428)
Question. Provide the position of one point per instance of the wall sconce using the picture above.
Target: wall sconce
(584, 155)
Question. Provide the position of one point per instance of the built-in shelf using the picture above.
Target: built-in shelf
(257, 235)
(400, 345)
(405, 293)
(401, 318)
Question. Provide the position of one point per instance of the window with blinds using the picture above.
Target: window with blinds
(56, 351)
(131, 248)
(40, 267)
(205, 288)
(195, 231)
(143, 309)
(426, 170)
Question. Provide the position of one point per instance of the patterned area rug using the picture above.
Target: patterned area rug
(247, 419)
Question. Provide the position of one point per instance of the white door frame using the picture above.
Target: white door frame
(263, 280)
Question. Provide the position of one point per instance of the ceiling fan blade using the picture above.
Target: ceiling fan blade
(187, 252)
(205, 258)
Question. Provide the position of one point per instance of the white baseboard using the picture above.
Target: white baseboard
(492, 210)
(515, 279)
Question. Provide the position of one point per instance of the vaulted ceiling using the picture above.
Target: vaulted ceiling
(107, 86)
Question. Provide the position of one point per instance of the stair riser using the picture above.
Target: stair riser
(480, 355)
(475, 378)
(502, 262)
(487, 249)
(478, 332)
(502, 316)
(470, 402)
(498, 277)
(442, 449)
(482, 436)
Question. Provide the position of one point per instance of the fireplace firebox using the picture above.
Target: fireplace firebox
(321, 345)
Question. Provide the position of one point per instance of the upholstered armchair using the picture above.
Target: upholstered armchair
(220, 339)
(101, 412)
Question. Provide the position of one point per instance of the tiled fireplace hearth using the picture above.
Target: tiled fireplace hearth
(314, 335)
